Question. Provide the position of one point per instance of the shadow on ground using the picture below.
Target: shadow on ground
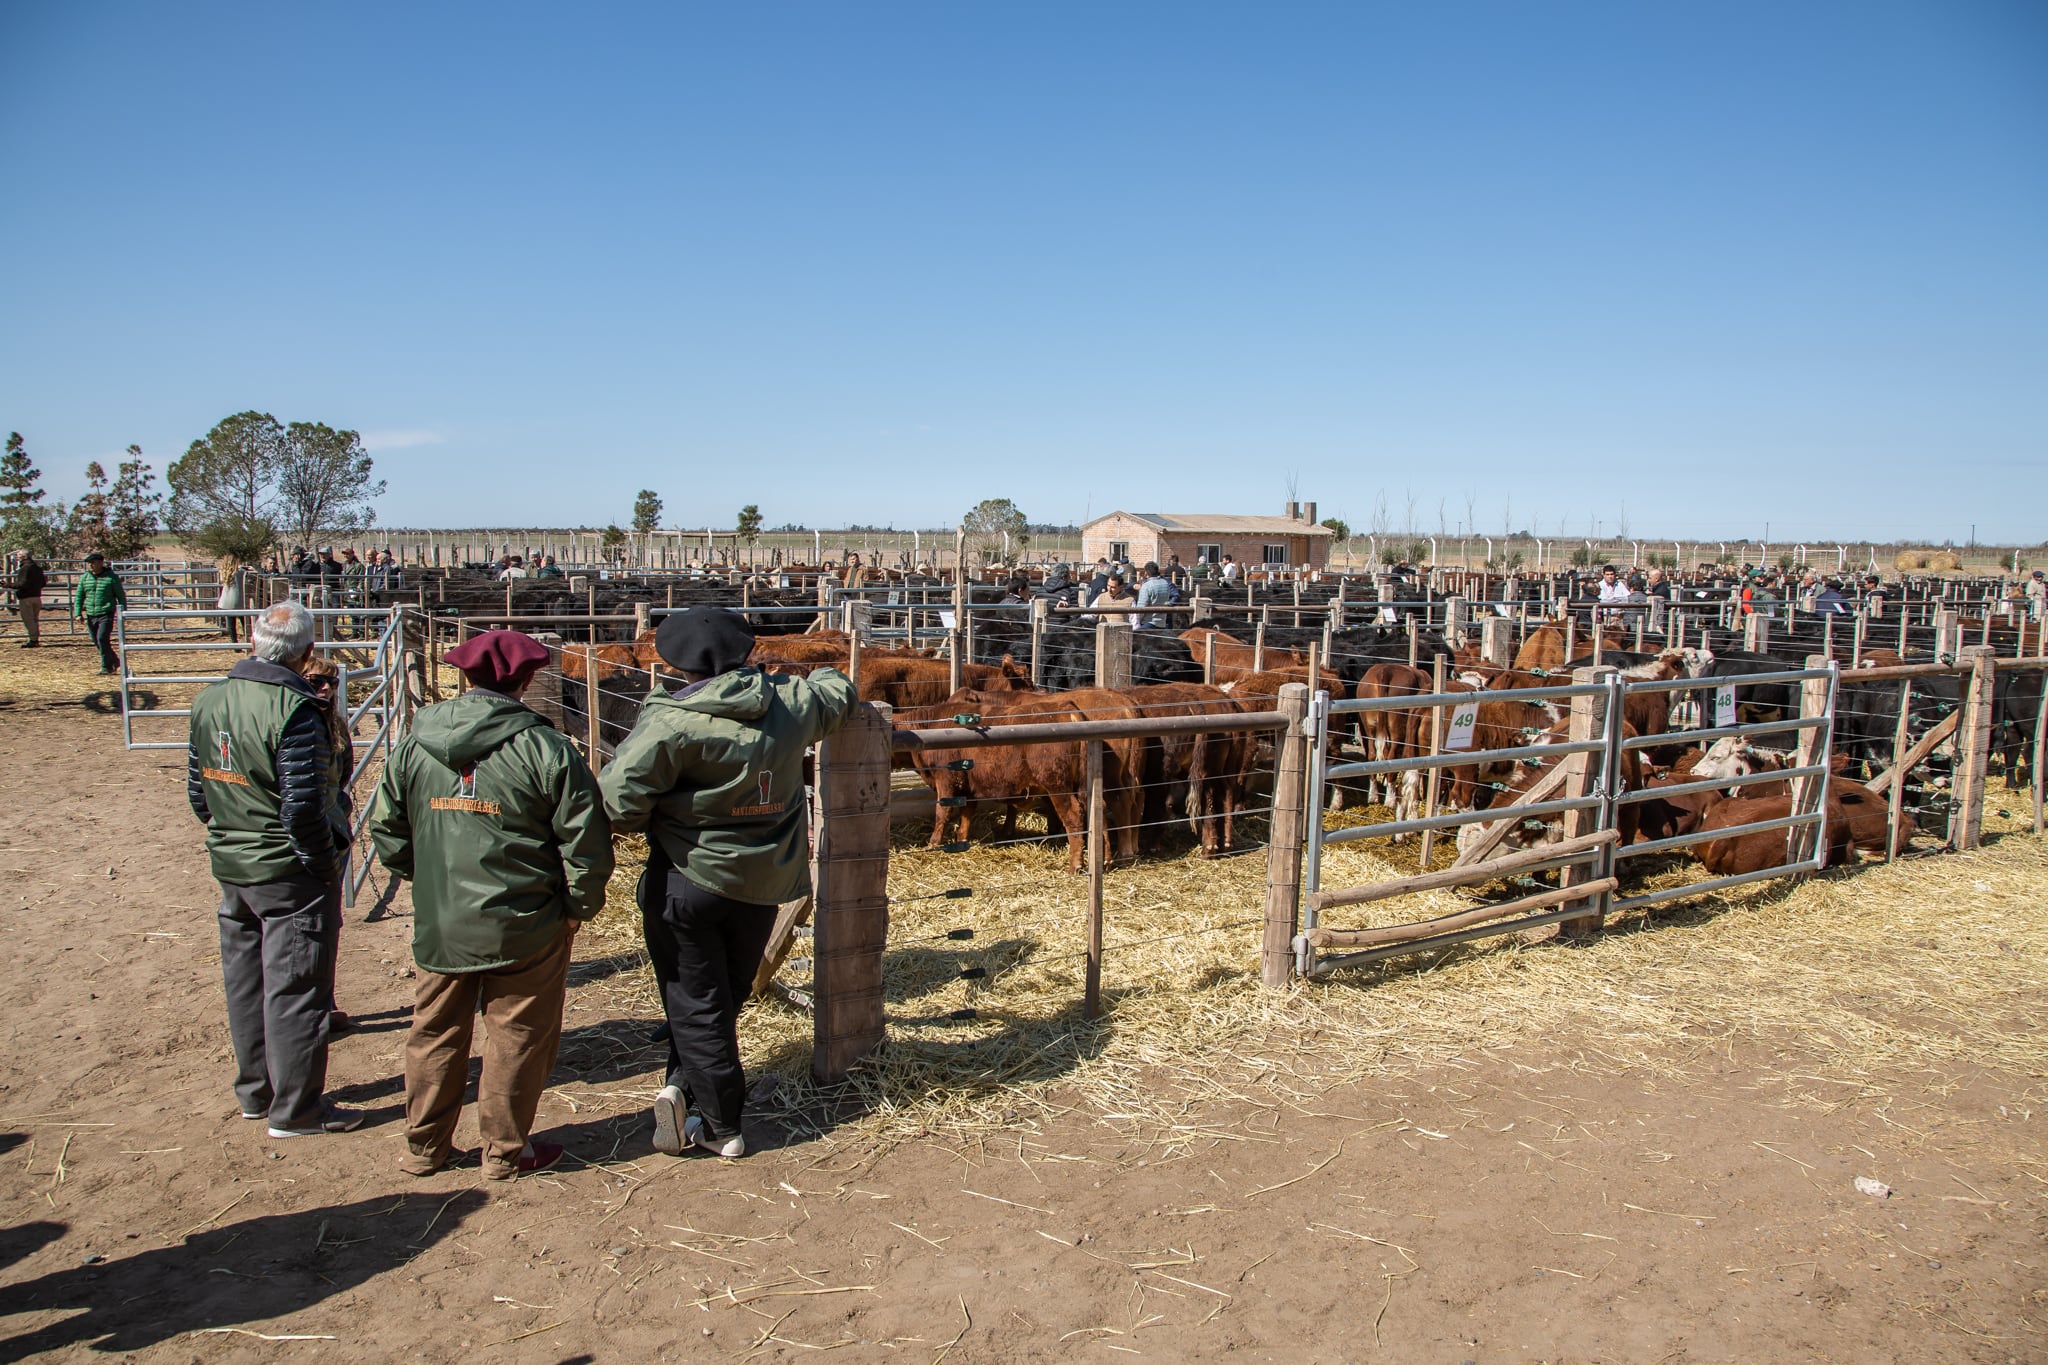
(254, 1271)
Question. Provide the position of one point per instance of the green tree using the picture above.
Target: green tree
(987, 524)
(87, 524)
(25, 523)
(647, 510)
(749, 523)
(224, 488)
(614, 541)
(1338, 527)
(133, 507)
(323, 482)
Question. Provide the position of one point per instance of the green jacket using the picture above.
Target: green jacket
(495, 820)
(714, 775)
(259, 774)
(97, 594)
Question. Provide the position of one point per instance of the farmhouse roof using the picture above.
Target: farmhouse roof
(1212, 523)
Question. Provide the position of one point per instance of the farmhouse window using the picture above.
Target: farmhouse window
(1119, 551)
(1208, 554)
(1276, 554)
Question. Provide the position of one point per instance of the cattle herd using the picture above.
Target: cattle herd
(1237, 658)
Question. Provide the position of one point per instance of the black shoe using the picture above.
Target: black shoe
(661, 1034)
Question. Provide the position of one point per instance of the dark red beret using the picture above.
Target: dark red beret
(499, 659)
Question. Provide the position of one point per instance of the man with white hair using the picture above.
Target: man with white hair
(257, 776)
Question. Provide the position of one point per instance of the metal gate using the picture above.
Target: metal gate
(374, 663)
(1584, 790)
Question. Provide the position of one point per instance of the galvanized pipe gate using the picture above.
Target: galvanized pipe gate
(1584, 790)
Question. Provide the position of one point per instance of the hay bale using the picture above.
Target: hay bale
(1928, 561)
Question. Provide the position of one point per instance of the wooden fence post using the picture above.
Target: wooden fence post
(1809, 793)
(859, 619)
(1973, 746)
(1455, 611)
(1583, 775)
(1113, 653)
(1283, 844)
(544, 695)
(851, 897)
(1756, 633)
(1041, 610)
(1259, 648)
(1497, 641)
(1895, 799)
(1097, 834)
(1948, 634)
(642, 614)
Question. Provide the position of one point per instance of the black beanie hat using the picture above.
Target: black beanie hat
(704, 640)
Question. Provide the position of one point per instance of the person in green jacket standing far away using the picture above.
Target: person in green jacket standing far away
(257, 777)
(713, 774)
(492, 816)
(96, 598)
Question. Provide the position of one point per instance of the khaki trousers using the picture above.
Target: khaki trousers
(32, 617)
(522, 1008)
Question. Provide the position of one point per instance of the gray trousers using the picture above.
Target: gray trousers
(277, 946)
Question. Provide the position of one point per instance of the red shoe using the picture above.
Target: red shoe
(539, 1156)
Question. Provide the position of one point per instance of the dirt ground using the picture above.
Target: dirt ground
(1545, 1204)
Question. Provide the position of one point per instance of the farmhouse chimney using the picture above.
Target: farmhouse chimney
(1308, 513)
(1293, 511)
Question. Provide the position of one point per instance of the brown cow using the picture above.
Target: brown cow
(908, 681)
(1234, 658)
(1212, 769)
(1544, 649)
(1057, 771)
(1857, 821)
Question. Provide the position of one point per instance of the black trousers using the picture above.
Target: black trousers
(705, 949)
(101, 629)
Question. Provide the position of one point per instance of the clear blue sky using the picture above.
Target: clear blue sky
(1719, 263)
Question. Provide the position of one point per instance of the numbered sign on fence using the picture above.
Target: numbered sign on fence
(1724, 705)
(1389, 617)
(946, 619)
(1464, 720)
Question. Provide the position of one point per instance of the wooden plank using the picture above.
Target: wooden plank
(852, 892)
(1469, 874)
(1493, 831)
(788, 919)
(1921, 748)
(1445, 924)
(1284, 846)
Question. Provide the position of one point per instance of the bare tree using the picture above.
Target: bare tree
(1471, 512)
(1408, 518)
(1443, 528)
(1507, 516)
(1382, 519)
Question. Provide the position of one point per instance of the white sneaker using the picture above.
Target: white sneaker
(668, 1121)
(695, 1134)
